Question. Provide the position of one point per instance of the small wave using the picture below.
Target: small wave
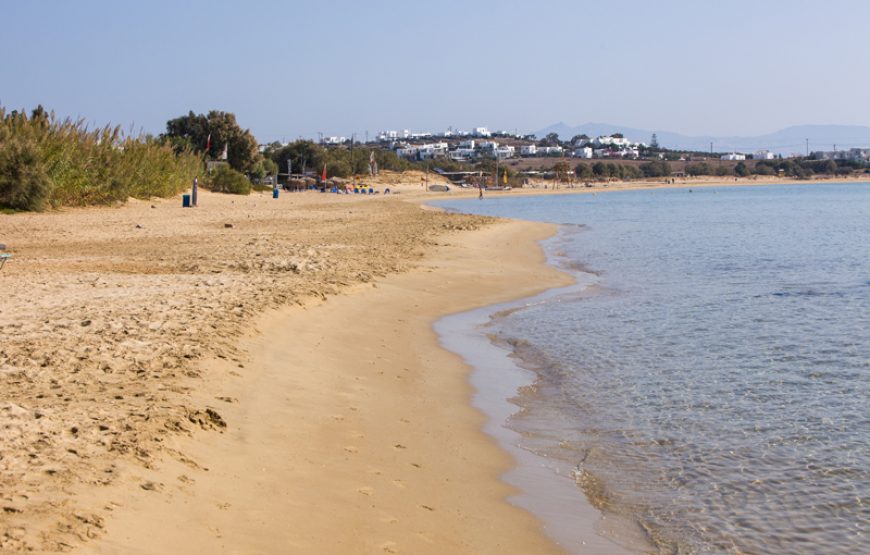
(809, 293)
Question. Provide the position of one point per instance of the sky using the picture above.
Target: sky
(291, 69)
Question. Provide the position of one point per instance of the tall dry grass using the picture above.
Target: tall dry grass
(50, 162)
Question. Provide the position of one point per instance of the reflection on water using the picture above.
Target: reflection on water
(715, 386)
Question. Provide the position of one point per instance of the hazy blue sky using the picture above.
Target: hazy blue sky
(295, 68)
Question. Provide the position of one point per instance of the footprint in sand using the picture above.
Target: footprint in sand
(390, 547)
(399, 484)
(365, 490)
(350, 449)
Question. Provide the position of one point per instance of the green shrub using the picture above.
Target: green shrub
(62, 163)
(227, 180)
(24, 185)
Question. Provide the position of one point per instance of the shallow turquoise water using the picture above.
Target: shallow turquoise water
(713, 380)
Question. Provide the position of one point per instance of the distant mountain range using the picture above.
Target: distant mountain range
(786, 141)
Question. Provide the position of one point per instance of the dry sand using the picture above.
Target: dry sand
(107, 312)
(350, 430)
(159, 394)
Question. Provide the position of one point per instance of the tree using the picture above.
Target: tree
(599, 169)
(193, 131)
(583, 171)
(562, 169)
(741, 169)
(577, 140)
(699, 168)
(658, 168)
(552, 139)
(303, 155)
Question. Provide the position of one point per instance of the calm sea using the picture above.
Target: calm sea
(712, 380)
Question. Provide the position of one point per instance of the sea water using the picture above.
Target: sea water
(711, 382)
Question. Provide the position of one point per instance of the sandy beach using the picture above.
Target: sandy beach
(254, 375)
(175, 382)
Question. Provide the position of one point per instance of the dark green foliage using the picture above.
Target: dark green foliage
(658, 168)
(306, 156)
(699, 168)
(741, 169)
(337, 168)
(192, 132)
(24, 185)
(583, 171)
(224, 179)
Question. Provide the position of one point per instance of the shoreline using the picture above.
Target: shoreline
(386, 459)
(547, 486)
(647, 185)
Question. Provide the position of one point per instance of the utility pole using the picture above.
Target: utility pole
(352, 173)
(495, 179)
(808, 148)
(320, 135)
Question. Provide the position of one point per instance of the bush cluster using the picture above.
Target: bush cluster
(45, 162)
(224, 179)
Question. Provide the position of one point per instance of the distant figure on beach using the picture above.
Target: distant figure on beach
(480, 191)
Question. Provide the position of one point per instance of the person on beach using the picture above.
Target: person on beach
(480, 191)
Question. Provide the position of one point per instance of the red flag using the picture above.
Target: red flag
(208, 143)
(323, 177)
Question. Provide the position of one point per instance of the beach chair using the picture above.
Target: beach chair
(3, 258)
(371, 191)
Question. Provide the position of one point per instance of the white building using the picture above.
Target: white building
(550, 151)
(462, 154)
(583, 152)
(528, 150)
(763, 155)
(386, 136)
(603, 141)
(334, 140)
(733, 157)
(505, 151)
(481, 132)
(407, 152)
(467, 143)
(434, 150)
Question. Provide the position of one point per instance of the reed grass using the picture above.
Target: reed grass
(50, 162)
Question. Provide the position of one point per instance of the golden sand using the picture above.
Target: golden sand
(173, 381)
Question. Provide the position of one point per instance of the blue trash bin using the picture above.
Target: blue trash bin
(185, 201)
(275, 193)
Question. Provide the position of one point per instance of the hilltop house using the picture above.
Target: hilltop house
(528, 150)
(733, 157)
(583, 152)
